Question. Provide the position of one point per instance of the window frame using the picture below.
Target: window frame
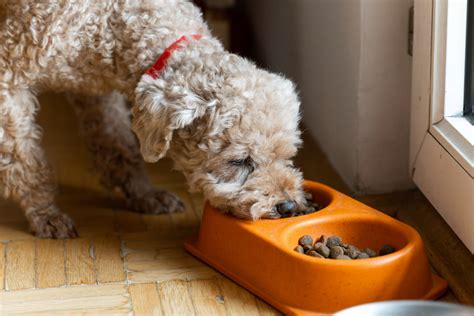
(441, 144)
(469, 73)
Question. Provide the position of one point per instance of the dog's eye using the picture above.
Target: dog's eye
(247, 162)
(237, 162)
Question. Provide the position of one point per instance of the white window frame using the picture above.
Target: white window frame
(441, 140)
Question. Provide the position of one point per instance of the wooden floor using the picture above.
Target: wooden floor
(125, 262)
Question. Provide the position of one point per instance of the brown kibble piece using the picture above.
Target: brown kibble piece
(323, 239)
(351, 251)
(333, 241)
(353, 248)
(317, 244)
(305, 240)
(323, 250)
(336, 251)
(307, 248)
(313, 253)
(386, 249)
(362, 255)
(343, 257)
(308, 196)
(370, 252)
(299, 249)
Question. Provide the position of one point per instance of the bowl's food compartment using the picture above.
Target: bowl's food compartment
(311, 206)
(341, 237)
(316, 200)
(333, 247)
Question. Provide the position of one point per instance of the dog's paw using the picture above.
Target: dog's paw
(157, 202)
(55, 225)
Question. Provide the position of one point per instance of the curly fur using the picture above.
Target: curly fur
(230, 127)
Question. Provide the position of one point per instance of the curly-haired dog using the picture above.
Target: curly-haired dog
(230, 127)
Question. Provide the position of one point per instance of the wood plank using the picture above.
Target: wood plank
(111, 311)
(80, 268)
(145, 299)
(3, 254)
(17, 230)
(158, 222)
(109, 263)
(198, 272)
(95, 225)
(187, 218)
(265, 309)
(129, 222)
(20, 265)
(166, 264)
(206, 296)
(175, 298)
(50, 263)
(451, 259)
(157, 239)
(238, 301)
(75, 299)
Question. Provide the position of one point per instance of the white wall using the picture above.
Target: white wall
(349, 60)
(384, 97)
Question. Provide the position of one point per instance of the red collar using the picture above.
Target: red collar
(154, 71)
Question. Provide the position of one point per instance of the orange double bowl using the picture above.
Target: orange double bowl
(259, 256)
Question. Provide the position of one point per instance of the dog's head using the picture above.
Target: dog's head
(231, 128)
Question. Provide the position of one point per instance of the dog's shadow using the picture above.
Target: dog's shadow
(74, 199)
(93, 211)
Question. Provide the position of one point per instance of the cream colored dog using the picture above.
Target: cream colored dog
(230, 127)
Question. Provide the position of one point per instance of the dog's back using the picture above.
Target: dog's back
(86, 45)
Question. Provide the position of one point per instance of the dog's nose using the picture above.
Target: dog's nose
(285, 207)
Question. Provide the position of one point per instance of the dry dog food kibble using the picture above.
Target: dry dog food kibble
(323, 250)
(386, 249)
(362, 255)
(370, 252)
(299, 249)
(333, 247)
(313, 253)
(306, 240)
(333, 241)
(343, 257)
(311, 207)
(352, 251)
(336, 251)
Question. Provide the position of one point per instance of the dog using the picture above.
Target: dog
(230, 127)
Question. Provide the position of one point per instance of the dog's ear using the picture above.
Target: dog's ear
(161, 108)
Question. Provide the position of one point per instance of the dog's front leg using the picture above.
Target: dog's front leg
(25, 175)
(105, 125)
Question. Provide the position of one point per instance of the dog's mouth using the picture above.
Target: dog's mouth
(272, 214)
